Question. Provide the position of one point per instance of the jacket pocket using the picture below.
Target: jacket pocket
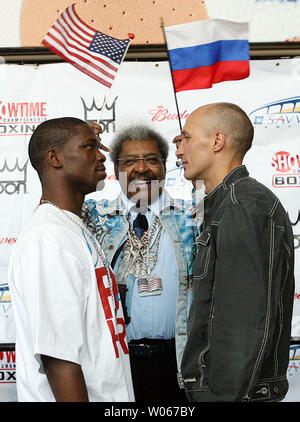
(203, 255)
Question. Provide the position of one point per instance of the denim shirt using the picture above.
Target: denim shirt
(107, 221)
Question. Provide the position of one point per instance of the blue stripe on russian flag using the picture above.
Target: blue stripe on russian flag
(209, 54)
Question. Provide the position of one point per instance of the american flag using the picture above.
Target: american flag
(92, 52)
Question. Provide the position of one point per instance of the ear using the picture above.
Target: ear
(219, 141)
(54, 158)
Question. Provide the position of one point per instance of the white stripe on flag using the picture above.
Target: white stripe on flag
(204, 32)
(80, 62)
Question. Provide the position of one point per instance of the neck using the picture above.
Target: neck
(218, 176)
(65, 202)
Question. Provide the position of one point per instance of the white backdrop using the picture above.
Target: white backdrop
(142, 93)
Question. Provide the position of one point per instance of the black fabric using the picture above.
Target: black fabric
(155, 377)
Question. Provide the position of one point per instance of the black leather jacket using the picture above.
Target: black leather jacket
(239, 325)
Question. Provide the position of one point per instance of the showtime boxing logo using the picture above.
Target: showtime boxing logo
(277, 114)
(108, 115)
(287, 167)
(21, 118)
(7, 367)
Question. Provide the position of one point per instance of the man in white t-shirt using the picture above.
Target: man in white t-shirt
(70, 332)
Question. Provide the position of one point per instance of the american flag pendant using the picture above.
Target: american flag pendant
(151, 286)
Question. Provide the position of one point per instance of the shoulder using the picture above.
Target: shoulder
(248, 203)
(248, 192)
(48, 226)
(102, 215)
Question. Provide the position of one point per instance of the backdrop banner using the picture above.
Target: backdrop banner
(142, 93)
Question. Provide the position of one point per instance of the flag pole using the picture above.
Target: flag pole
(131, 37)
(178, 114)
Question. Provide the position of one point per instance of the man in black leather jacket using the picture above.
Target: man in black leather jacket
(239, 324)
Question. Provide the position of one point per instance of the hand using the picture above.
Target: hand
(98, 129)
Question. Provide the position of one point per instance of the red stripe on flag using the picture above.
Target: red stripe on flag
(81, 21)
(79, 67)
(92, 52)
(91, 59)
(84, 49)
(205, 77)
(79, 57)
(69, 30)
(79, 28)
(70, 34)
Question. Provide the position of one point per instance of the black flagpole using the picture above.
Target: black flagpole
(178, 114)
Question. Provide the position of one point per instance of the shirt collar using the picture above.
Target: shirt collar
(155, 207)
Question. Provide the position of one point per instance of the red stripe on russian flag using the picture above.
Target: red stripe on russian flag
(206, 76)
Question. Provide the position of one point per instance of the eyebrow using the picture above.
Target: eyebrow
(93, 140)
(145, 155)
(184, 132)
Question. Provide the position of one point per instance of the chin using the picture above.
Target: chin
(187, 175)
(100, 185)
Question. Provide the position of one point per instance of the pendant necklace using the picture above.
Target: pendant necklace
(95, 244)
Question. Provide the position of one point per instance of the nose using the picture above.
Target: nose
(100, 156)
(179, 151)
(141, 166)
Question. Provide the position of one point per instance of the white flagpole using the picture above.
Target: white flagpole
(110, 89)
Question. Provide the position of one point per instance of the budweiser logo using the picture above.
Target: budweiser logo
(8, 240)
(161, 113)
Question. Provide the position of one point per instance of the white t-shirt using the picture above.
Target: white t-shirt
(63, 307)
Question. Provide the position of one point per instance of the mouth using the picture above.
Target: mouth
(101, 173)
(183, 163)
(141, 182)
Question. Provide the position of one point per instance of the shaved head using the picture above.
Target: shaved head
(229, 119)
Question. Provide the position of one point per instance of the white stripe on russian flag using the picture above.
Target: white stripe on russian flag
(204, 32)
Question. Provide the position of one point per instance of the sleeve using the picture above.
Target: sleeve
(241, 310)
(55, 293)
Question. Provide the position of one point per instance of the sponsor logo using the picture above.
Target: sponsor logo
(278, 114)
(21, 118)
(296, 241)
(13, 179)
(296, 221)
(161, 113)
(294, 363)
(287, 167)
(7, 367)
(7, 240)
(4, 293)
(93, 112)
(117, 329)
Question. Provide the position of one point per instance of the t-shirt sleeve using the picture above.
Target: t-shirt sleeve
(55, 294)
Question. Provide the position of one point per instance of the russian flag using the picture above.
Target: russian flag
(205, 52)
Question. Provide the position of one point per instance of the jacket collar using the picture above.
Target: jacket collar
(121, 205)
(216, 196)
